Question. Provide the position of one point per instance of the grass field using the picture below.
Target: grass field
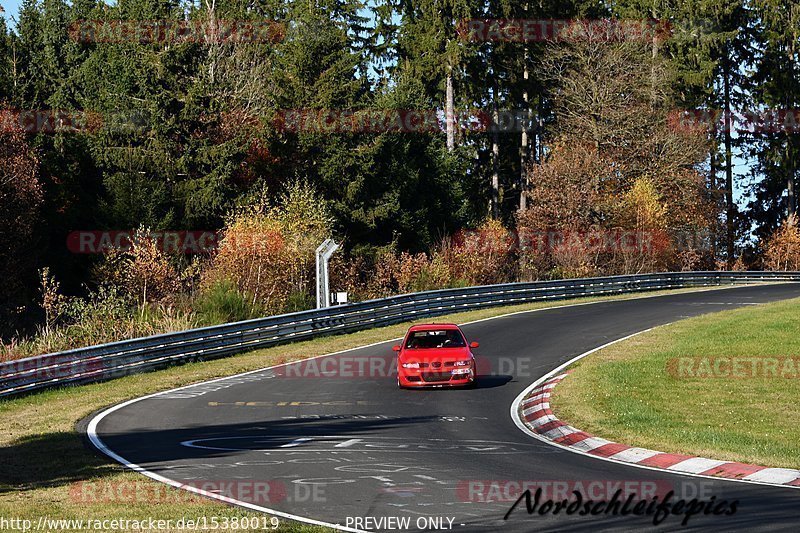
(690, 387)
(43, 457)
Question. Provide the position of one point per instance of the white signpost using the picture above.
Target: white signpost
(324, 253)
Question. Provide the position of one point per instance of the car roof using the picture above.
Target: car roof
(427, 327)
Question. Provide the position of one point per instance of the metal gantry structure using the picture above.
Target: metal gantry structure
(324, 253)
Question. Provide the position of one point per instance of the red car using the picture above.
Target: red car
(435, 355)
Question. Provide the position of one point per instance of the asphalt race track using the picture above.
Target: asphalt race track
(330, 445)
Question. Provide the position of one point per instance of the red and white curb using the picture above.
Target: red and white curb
(533, 411)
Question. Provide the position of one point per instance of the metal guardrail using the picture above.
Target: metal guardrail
(108, 361)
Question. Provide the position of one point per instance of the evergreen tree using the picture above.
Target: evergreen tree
(6, 62)
(776, 93)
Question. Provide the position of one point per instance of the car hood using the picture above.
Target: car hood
(436, 354)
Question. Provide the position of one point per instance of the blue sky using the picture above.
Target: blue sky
(10, 7)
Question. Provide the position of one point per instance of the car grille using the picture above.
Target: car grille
(436, 376)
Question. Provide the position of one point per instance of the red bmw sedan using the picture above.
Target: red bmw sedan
(435, 355)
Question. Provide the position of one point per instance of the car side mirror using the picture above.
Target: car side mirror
(474, 344)
(396, 347)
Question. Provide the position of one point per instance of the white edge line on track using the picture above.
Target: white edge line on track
(515, 416)
(91, 430)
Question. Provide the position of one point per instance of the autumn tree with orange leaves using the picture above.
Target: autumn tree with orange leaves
(267, 251)
(617, 165)
(782, 248)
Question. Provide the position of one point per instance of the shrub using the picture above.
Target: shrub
(410, 269)
(300, 301)
(384, 279)
(574, 256)
(149, 276)
(268, 252)
(782, 248)
(484, 256)
(222, 302)
(143, 272)
(353, 273)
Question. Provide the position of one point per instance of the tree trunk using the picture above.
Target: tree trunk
(726, 82)
(653, 74)
(494, 208)
(524, 145)
(791, 139)
(713, 186)
(450, 112)
(540, 131)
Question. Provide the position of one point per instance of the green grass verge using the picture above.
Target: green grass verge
(632, 392)
(43, 457)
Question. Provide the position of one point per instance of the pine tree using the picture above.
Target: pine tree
(6, 63)
(776, 91)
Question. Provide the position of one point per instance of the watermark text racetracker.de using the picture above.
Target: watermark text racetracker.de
(573, 30)
(600, 241)
(728, 367)
(71, 121)
(377, 121)
(510, 490)
(385, 366)
(168, 241)
(755, 121)
(257, 491)
(58, 367)
(173, 31)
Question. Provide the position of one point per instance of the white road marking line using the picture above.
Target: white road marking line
(430, 478)
(296, 442)
(726, 303)
(415, 512)
(347, 443)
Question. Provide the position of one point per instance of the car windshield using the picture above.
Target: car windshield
(440, 338)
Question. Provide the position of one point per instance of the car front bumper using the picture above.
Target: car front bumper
(429, 378)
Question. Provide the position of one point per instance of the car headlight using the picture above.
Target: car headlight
(462, 363)
(410, 365)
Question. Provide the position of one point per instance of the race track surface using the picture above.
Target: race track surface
(334, 446)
